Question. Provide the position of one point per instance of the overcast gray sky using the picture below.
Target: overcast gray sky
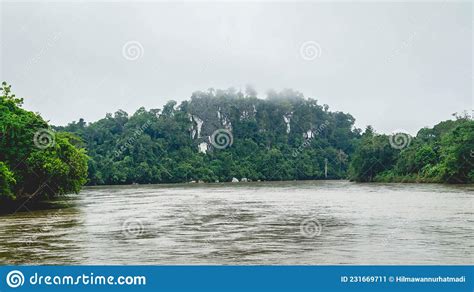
(392, 65)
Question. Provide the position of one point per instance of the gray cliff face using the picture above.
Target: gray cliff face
(208, 117)
(226, 111)
(205, 124)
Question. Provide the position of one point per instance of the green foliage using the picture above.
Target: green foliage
(443, 154)
(35, 162)
(457, 153)
(373, 155)
(7, 181)
(283, 137)
(162, 146)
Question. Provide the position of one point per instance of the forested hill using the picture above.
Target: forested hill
(219, 135)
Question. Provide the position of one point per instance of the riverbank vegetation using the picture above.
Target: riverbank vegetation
(35, 162)
(220, 135)
(442, 154)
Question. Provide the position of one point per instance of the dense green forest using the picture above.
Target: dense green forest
(444, 153)
(35, 163)
(220, 135)
(283, 137)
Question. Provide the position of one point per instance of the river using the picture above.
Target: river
(305, 222)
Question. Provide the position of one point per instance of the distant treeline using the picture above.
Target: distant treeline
(282, 137)
(219, 135)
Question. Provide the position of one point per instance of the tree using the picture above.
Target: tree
(36, 163)
(161, 146)
(373, 156)
(443, 153)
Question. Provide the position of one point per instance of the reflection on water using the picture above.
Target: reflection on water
(248, 223)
